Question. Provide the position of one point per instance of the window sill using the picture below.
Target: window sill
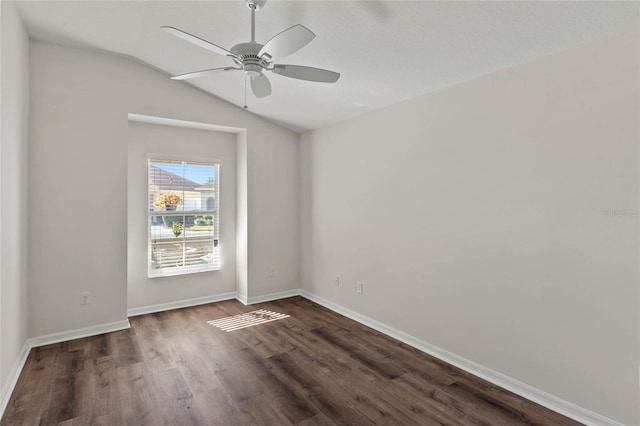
(184, 270)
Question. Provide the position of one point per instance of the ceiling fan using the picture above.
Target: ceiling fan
(254, 58)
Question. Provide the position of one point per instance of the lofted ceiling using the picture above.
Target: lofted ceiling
(386, 51)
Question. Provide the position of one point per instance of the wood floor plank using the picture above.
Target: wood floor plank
(317, 420)
(60, 407)
(361, 354)
(314, 368)
(101, 387)
(292, 404)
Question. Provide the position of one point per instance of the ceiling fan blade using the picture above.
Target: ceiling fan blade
(260, 86)
(198, 41)
(201, 73)
(288, 41)
(307, 73)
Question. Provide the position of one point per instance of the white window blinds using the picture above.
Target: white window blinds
(183, 216)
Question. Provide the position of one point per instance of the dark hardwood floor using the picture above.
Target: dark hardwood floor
(314, 368)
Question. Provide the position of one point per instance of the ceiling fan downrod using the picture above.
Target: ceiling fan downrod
(254, 5)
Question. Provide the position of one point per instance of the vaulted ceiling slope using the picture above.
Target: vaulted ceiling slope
(386, 51)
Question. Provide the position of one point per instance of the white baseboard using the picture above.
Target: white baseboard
(180, 304)
(48, 339)
(79, 333)
(132, 312)
(526, 391)
(531, 393)
(271, 297)
(242, 298)
(12, 379)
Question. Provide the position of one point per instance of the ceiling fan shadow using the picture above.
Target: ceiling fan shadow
(380, 10)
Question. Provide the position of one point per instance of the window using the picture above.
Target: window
(183, 216)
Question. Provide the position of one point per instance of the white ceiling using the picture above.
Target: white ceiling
(386, 51)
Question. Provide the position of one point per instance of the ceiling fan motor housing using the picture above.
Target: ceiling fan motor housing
(248, 58)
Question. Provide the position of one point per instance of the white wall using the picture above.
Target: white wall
(476, 218)
(14, 87)
(273, 219)
(80, 101)
(242, 215)
(180, 142)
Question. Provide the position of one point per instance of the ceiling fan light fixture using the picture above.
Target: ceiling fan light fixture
(253, 70)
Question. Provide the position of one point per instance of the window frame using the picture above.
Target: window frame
(190, 269)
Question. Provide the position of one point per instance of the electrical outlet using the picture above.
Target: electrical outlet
(85, 297)
(359, 286)
(336, 280)
(272, 271)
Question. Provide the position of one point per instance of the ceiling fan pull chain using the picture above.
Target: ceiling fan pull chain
(245, 92)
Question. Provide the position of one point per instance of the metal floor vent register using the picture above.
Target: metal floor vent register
(249, 319)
